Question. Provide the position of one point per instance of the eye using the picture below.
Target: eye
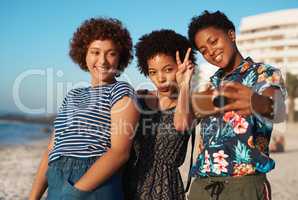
(214, 42)
(169, 69)
(113, 53)
(151, 73)
(94, 52)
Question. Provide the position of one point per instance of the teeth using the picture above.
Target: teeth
(102, 68)
(218, 58)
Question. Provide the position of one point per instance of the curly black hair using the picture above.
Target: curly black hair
(101, 29)
(207, 19)
(162, 41)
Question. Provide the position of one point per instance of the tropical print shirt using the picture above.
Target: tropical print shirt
(234, 145)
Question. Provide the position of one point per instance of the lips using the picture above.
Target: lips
(163, 88)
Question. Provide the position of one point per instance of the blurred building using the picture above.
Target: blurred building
(271, 38)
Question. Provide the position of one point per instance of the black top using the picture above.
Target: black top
(158, 150)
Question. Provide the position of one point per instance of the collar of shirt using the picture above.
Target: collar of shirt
(219, 75)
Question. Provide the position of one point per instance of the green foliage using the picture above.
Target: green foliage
(242, 153)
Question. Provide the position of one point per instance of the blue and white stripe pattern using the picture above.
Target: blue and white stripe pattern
(82, 126)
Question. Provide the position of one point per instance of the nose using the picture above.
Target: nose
(101, 60)
(161, 78)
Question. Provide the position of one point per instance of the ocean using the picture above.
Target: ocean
(12, 133)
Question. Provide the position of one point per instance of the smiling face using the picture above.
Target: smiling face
(102, 60)
(162, 71)
(218, 47)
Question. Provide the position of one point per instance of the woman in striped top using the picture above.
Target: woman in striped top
(94, 124)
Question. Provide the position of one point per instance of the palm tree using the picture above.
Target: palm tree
(292, 88)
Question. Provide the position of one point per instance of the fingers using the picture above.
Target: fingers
(191, 70)
(178, 61)
(186, 58)
(230, 95)
(236, 105)
(242, 91)
(244, 113)
(182, 69)
(232, 85)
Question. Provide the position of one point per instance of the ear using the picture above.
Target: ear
(232, 35)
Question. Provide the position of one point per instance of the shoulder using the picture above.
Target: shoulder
(121, 89)
(265, 71)
(121, 84)
(146, 98)
(265, 68)
(76, 91)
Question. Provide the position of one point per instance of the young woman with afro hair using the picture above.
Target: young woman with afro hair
(166, 119)
(93, 129)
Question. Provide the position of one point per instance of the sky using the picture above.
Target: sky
(36, 71)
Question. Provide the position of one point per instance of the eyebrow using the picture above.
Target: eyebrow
(168, 65)
(96, 48)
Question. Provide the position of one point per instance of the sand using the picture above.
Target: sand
(18, 165)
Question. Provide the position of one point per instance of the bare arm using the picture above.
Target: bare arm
(40, 183)
(124, 117)
(272, 108)
(184, 116)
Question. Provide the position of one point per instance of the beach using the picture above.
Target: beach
(19, 163)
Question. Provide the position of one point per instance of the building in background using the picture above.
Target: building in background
(271, 38)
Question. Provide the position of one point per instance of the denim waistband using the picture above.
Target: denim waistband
(66, 163)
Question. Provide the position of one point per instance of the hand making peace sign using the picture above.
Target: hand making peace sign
(185, 69)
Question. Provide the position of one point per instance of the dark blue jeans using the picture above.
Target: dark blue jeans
(64, 172)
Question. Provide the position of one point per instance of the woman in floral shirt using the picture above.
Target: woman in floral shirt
(235, 158)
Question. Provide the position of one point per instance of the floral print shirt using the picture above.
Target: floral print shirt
(234, 145)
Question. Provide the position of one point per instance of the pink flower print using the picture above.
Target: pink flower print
(206, 166)
(239, 123)
(219, 157)
(240, 126)
(219, 168)
(228, 116)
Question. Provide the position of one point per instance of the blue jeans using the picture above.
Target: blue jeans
(63, 173)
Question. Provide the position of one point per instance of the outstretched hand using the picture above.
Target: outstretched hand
(240, 98)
